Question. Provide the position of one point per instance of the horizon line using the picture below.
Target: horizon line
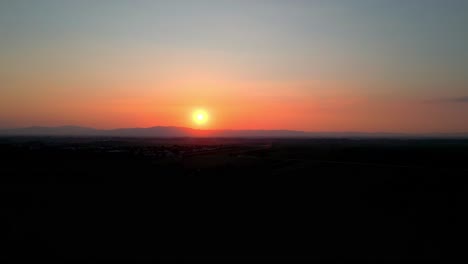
(229, 129)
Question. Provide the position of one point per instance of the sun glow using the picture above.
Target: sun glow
(200, 117)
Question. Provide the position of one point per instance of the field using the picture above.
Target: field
(232, 199)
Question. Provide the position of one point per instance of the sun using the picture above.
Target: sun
(200, 117)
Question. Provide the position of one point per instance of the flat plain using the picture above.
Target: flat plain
(218, 199)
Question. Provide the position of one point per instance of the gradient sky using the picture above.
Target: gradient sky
(394, 66)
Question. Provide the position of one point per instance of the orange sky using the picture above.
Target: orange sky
(313, 66)
(232, 104)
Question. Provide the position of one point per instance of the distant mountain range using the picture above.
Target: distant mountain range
(170, 132)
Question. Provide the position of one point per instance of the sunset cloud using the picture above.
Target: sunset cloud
(460, 99)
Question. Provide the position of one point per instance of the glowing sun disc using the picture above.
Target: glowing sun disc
(200, 117)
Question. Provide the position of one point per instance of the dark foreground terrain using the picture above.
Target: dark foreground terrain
(92, 199)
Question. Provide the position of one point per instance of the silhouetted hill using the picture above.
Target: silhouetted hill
(157, 131)
(50, 131)
(170, 131)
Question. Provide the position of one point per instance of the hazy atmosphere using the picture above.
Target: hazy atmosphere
(369, 66)
(231, 131)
